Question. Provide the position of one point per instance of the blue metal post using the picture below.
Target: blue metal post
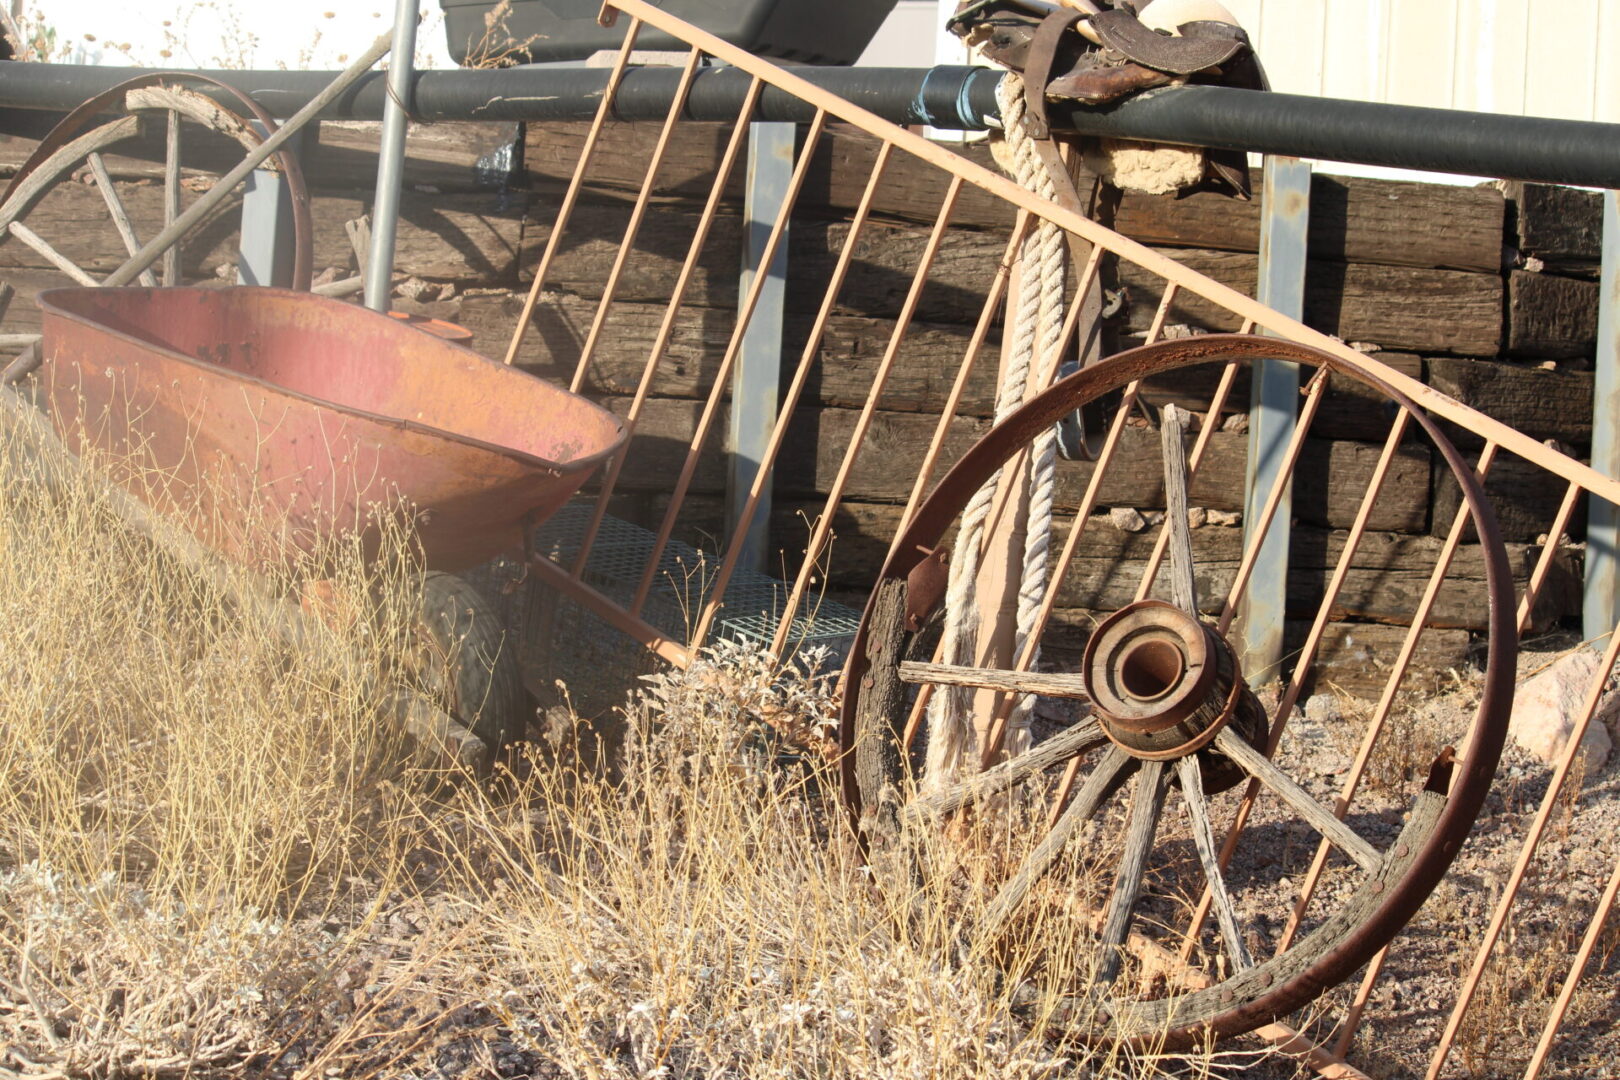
(1601, 608)
(756, 380)
(1273, 409)
(266, 251)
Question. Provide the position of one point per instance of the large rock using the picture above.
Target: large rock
(1547, 706)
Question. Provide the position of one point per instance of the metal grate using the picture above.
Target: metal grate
(684, 580)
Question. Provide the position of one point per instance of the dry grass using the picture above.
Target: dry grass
(216, 858)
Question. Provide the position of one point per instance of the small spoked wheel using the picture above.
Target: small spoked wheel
(1143, 868)
(466, 662)
(85, 203)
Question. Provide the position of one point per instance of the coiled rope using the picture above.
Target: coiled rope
(1039, 313)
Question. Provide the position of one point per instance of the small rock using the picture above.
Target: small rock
(1237, 423)
(1547, 706)
(1197, 517)
(1153, 517)
(414, 288)
(1226, 518)
(1322, 708)
(1127, 519)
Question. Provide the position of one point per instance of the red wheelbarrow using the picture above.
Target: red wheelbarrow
(262, 420)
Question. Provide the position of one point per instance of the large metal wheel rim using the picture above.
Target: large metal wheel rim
(1485, 738)
(81, 119)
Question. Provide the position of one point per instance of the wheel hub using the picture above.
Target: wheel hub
(1163, 683)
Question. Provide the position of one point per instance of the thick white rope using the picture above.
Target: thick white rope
(1039, 311)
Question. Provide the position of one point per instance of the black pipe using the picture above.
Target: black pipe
(1436, 140)
(1402, 136)
(948, 97)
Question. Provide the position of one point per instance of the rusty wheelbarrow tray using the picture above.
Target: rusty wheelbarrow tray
(263, 419)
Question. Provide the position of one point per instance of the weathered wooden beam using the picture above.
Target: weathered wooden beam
(1441, 311)
(468, 238)
(1337, 472)
(1541, 402)
(1352, 219)
(1559, 226)
(1394, 307)
(1550, 317)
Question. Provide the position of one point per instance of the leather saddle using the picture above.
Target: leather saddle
(1115, 56)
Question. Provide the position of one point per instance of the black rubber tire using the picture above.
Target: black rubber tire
(481, 684)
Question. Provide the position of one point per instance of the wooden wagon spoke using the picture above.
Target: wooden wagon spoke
(56, 258)
(1147, 804)
(171, 198)
(1083, 736)
(1315, 814)
(1183, 589)
(1047, 683)
(1192, 789)
(120, 216)
(1115, 766)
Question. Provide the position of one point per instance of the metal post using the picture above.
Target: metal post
(1601, 608)
(755, 383)
(391, 158)
(1273, 407)
(266, 253)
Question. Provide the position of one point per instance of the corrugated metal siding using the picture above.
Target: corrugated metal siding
(1533, 57)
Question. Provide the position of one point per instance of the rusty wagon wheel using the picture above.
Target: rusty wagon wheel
(74, 236)
(1087, 903)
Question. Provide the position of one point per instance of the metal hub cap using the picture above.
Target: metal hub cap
(1162, 682)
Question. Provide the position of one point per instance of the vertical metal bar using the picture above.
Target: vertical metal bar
(610, 290)
(666, 326)
(1601, 607)
(757, 381)
(391, 157)
(1285, 210)
(1555, 1018)
(758, 493)
(604, 109)
(1527, 852)
(745, 312)
(835, 496)
(266, 250)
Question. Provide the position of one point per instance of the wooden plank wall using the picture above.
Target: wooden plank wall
(1487, 293)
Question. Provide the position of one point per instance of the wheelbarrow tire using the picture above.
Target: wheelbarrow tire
(482, 685)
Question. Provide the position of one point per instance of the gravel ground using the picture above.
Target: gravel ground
(1418, 988)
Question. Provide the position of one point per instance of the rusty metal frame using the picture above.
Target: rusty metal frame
(1578, 481)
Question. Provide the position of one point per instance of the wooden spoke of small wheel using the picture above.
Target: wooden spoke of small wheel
(1072, 741)
(1050, 684)
(120, 215)
(1192, 789)
(1183, 588)
(56, 258)
(1112, 768)
(1315, 814)
(1147, 804)
(171, 197)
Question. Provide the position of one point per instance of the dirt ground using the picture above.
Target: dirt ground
(1413, 998)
